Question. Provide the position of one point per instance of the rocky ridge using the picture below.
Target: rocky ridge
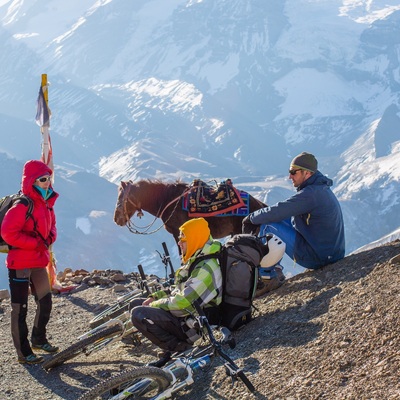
(326, 334)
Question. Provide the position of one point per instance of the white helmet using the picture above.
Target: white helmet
(276, 250)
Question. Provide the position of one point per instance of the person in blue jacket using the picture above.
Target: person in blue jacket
(310, 222)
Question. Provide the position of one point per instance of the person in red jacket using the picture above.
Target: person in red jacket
(28, 256)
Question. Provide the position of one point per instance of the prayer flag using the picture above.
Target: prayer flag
(43, 115)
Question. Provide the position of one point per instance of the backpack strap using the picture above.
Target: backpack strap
(199, 259)
(27, 201)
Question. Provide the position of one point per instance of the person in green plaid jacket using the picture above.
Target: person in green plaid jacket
(165, 317)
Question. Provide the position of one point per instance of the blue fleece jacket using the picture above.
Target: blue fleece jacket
(317, 218)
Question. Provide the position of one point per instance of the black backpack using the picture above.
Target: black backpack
(6, 203)
(239, 259)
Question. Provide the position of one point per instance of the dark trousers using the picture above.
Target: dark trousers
(160, 327)
(20, 281)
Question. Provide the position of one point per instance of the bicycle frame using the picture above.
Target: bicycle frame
(176, 374)
(183, 368)
(127, 329)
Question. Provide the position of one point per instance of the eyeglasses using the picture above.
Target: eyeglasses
(44, 179)
(293, 171)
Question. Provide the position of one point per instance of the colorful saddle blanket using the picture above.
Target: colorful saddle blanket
(221, 200)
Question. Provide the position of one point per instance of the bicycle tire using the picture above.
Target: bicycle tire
(80, 346)
(160, 380)
(114, 310)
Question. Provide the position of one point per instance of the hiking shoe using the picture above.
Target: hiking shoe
(31, 359)
(271, 278)
(47, 347)
(279, 272)
(162, 361)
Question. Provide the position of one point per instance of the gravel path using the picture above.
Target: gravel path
(328, 334)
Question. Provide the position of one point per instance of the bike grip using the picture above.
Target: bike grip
(141, 272)
(164, 245)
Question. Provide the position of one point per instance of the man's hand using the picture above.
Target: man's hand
(249, 227)
(148, 301)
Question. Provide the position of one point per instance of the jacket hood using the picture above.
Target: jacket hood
(197, 233)
(316, 179)
(33, 169)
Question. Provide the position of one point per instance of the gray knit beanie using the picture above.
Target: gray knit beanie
(305, 161)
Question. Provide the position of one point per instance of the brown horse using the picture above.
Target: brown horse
(164, 200)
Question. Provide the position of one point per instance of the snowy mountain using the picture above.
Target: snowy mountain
(197, 88)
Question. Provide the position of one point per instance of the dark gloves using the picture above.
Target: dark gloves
(248, 226)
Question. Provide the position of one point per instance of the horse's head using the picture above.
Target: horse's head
(127, 204)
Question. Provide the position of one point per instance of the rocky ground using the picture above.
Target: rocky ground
(327, 334)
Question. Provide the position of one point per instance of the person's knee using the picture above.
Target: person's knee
(138, 315)
(135, 303)
(19, 310)
(46, 303)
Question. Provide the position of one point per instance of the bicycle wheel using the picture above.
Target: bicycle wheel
(114, 310)
(81, 346)
(138, 383)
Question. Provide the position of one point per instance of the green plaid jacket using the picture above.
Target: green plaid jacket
(204, 284)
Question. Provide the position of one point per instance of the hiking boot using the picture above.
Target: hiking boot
(271, 278)
(162, 361)
(47, 347)
(133, 339)
(279, 272)
(31, 359)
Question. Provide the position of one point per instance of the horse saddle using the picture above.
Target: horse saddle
(206, 200)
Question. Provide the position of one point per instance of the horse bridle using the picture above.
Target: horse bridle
(126, 199)
(132, 227)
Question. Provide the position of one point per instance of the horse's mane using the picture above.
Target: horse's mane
(178, 182)
(159, 182)
(165, 191)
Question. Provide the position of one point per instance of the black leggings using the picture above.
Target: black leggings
(20, 281)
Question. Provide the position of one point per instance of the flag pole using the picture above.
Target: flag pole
(43, 115)
(44, 87)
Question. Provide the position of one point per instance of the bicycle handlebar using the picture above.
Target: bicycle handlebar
(168, 259)
(204, 322)
(164, 245)
(144, 281)
(141, 272)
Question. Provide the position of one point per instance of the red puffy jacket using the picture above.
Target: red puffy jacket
(27, 236)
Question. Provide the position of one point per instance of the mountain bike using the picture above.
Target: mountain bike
(117, 325)
(144, 286)
(161, 383)
(109, 332)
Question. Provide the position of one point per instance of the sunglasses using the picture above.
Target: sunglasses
(182, 238)
(293, 171)
(44, 179)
